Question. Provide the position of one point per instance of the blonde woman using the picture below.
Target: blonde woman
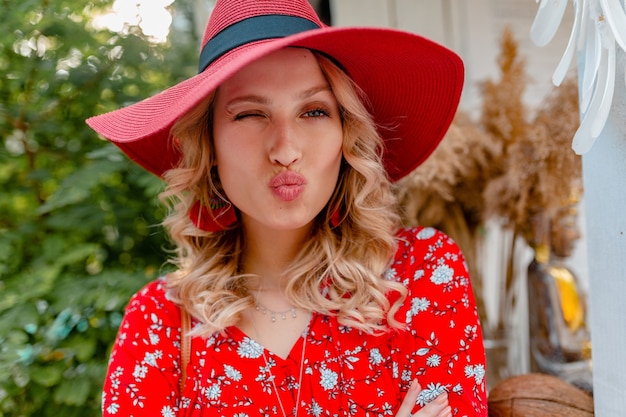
(304, 296)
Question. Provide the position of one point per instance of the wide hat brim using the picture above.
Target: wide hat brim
(412, 83)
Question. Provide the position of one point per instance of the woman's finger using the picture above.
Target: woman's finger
(439, 407)
(409, 400)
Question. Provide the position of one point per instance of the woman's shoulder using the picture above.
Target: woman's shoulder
(152, 299)
(424, 241)
(155, 290)
(431, 267)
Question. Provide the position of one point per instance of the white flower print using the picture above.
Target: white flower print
(345, 329)
(426, 233)
(418, 304)
(150, 359)
(475, 371)
(458, 388)
(185, 402)
(479, 373)
(232, 373)
(240, 415)
(140, 371)
(265, 376)
(248, 348)
(115, 379)
(113, 408)
(418, 274)
(429, 393)
(213, 392)
(442, 275)
(119, 371)
(375, 357)
(315, 409)
(406, 375)
(390, 274)
(328, 379)
(167, 411)
(433, 360)
(470, 332)
(465, 300)
(154, 338)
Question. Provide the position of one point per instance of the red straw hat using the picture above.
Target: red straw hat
(413, 84)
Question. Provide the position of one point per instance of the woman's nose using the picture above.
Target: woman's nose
(285, 148)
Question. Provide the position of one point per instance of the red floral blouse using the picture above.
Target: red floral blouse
(345, 372)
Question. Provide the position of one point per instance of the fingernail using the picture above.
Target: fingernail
(414, 385)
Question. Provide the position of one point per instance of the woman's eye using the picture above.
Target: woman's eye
(242, 116)
(316, 113)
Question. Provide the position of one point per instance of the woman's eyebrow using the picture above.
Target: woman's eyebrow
(249, 98)
(254, 98)
(309, 92)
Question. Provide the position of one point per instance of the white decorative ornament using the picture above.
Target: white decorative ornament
(599, 27)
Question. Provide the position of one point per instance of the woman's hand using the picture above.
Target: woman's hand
(439, 407)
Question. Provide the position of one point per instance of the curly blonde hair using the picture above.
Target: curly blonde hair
(339, 271)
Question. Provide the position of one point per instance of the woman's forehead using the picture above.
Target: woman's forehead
(295, 70)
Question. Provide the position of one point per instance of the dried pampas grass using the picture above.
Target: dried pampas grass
(542, 170)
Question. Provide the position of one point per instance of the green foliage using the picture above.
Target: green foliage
(79, 223)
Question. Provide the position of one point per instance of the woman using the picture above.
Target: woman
(305, 297)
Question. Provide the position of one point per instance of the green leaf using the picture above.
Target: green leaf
(19, 317)
(47, 376)
(72, 391)
(83, 347)
(77, 187)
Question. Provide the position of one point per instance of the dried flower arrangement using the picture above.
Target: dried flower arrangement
(540, 169)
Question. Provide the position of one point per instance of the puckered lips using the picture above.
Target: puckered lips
(287, 185)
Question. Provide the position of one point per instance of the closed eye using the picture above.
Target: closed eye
(241, 116)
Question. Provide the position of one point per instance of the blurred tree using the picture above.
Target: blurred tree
(79, 223)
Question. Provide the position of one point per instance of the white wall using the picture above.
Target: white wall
(604, 172)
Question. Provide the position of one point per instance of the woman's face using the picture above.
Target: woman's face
(278, 136)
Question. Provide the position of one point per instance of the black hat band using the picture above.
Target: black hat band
(252, 29)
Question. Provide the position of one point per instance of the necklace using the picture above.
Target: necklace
(273, 379)
(264, 309)
(283, 314)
